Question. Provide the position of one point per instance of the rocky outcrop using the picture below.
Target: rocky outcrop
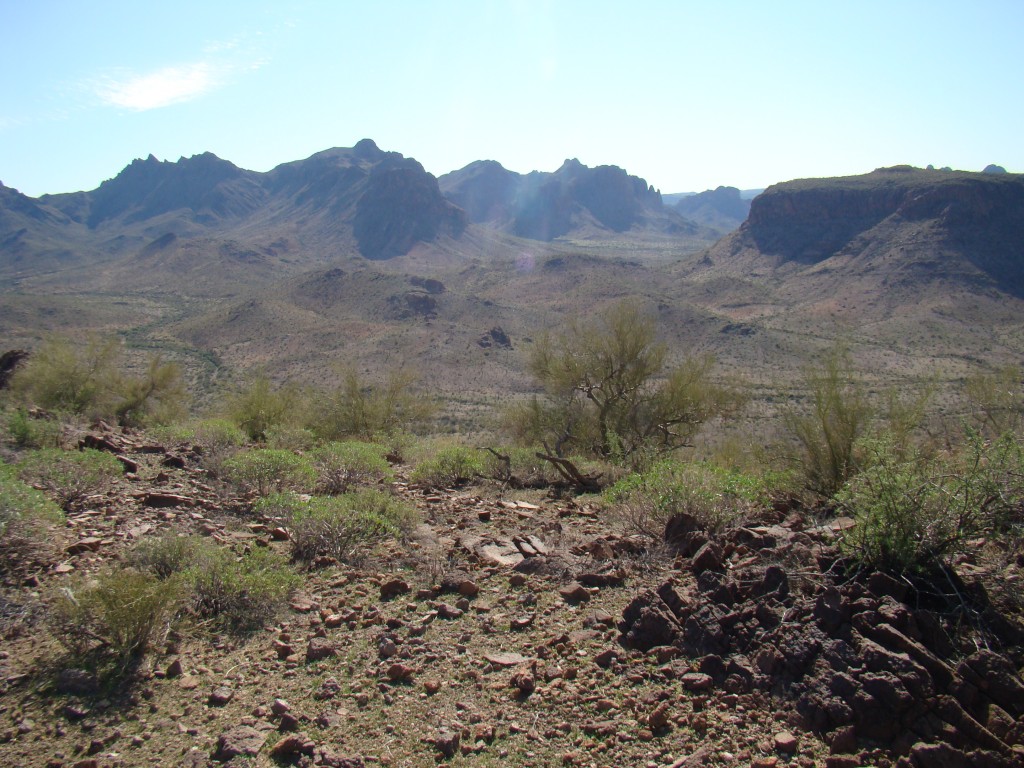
(203, 185)
(9, 362)
(389, 201)
(496, 337)
(811, 220)
(865, 660)
(400, 206)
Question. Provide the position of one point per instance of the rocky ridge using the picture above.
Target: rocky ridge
(942, 223)
(860, 659)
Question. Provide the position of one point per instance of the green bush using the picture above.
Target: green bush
(837, 417)
(64, 376)
(714, 496)
(269, 469)
(239, 593)
(236, 593)
(911, 512)
(28, 431)
(217, 435)
(86, 379)
(18, 501)
(120, 610)
(158, 396)
(24, 515)
(282, 505)
(449, 467)
(607, 392)
(261, 406)
(165, 556)
(397, 444)
(214, 440)
(342, 466)
(341, 527)
(355, 409)
(69, 476)
(290, 438)
(217, 441)
(996, 400)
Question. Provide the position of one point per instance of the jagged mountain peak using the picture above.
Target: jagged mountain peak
(367, 149)
(573, 198)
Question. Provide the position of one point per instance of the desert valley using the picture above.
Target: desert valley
(346, 464)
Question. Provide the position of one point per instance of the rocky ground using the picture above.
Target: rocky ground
(520, 629)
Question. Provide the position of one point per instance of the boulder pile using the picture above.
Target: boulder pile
(862, 659)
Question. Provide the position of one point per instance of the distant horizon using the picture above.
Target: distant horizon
(438, 175)
(688, 96)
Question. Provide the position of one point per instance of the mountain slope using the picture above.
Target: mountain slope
(971, 216)
(922, 269)
(723, 208)
(572, 201)
(359, 200)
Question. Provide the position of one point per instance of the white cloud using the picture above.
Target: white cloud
(170, 85)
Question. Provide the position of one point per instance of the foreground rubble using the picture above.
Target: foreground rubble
(863, 660)
(519, 630)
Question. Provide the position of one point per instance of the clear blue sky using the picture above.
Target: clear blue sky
(686, 94)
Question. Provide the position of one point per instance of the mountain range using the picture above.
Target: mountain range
(359, 256)
(359, 200)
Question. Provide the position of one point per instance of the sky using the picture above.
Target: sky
(688, 94)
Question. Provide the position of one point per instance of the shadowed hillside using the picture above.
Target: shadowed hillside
(972, 218)
(574, 200)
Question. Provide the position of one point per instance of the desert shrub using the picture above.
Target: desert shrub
(269, 469)
(239, 593)
(827, 431)
(165, 556)
(397, 444)
(172, 433)
(217, 435)
(996, 400)
(281, 505)
(290, 438)
(18, 501)
(355, 409)
(24, 515)
(449, 467)
(69, 476)
(714, 496)
(341, 466)
(911, 512)
(342, 527)
(64, 376)
(261, 406)
(158, 396)
(86, 379)
(120, 610)
(217, 440)
(518, 465)
(28, 431)
(607, 393)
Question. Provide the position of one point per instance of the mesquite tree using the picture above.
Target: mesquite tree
(607, 393)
